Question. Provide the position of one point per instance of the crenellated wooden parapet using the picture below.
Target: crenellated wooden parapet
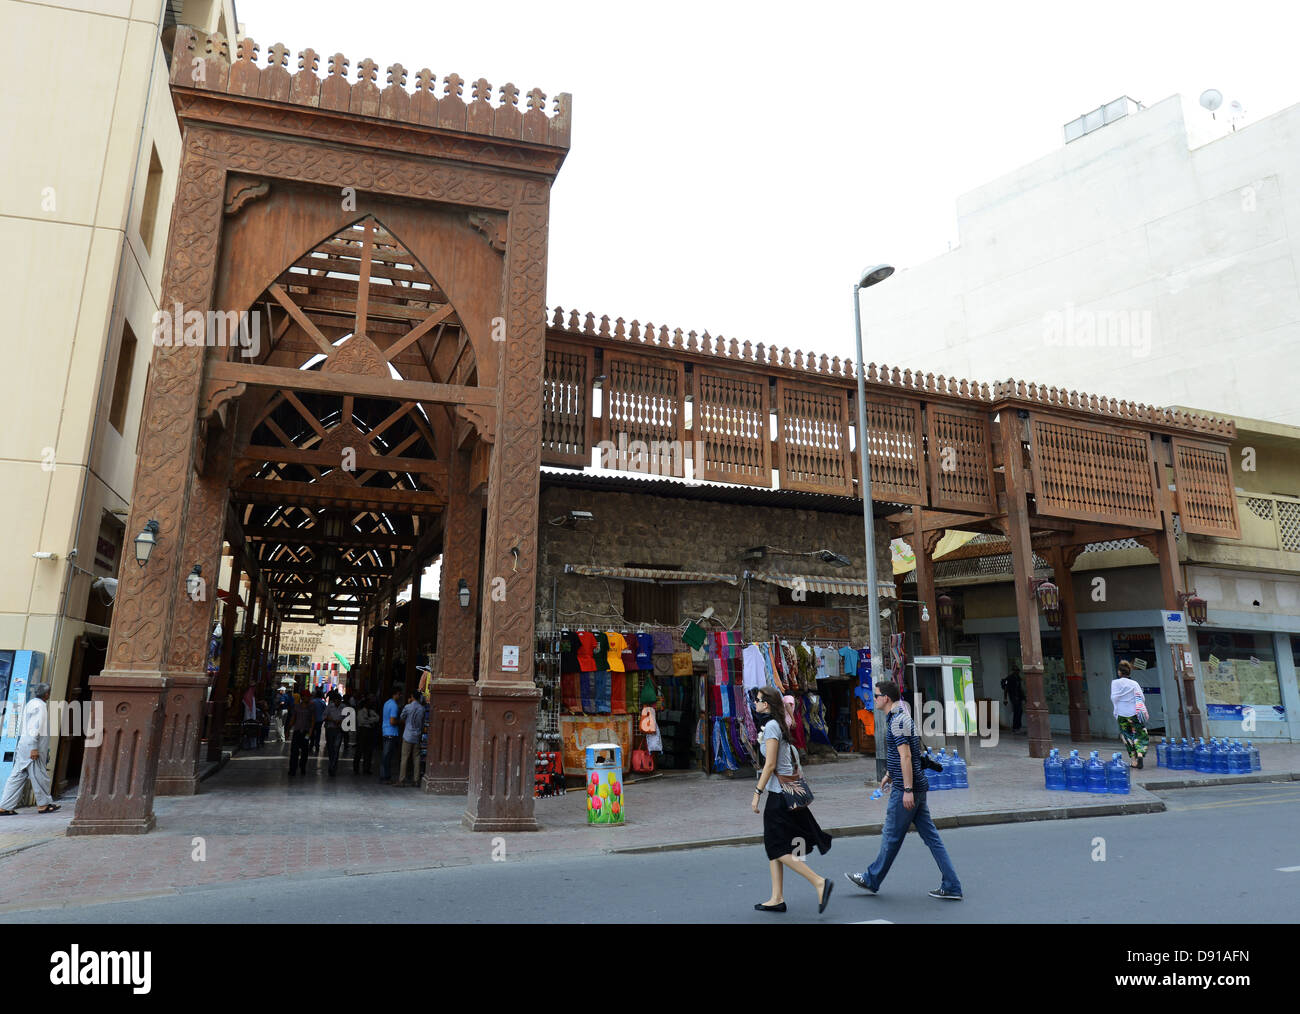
(932, 440)
(203, 66)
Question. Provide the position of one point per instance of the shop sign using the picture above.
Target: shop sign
(808, 621)
(1175, 621)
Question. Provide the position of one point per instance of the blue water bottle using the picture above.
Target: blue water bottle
(942, 779)
(1074, 780)
(1254, 756)
(1117, 775)
(1178, 754)
(1051, 765)
(1095, 774)
(1242, 756)
(959, 780)
(1201, 757)
(1162, 754)
(1189, 754)
(1219, 756)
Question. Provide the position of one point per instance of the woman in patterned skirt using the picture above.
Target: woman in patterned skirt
(1131, 712)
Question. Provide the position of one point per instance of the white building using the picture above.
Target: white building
(1153, 259)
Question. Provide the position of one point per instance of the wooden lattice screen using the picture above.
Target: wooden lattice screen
(814, 437)
(643, 405)
(897, 457)
(1207, 501)
(732, 429)
(566, 406)
(961, 466)
(1093, 473)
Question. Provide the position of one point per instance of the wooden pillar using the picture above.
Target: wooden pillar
(413, 633)
(357, 676)
(449, 704)
(922, 546)
(217, 709)
(1011, 428)
(1171, 586)
(1061, 560)
(389, 628)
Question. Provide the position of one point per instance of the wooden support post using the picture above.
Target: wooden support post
(413, 633)
(929, 629)
(1022, 564)
(387, 672)
(1060, 561)
(1171, 586)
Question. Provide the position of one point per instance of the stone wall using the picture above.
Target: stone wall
(635, 528)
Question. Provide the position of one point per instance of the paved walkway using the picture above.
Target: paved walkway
(251, 821)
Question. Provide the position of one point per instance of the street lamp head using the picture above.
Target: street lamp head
(874, 274)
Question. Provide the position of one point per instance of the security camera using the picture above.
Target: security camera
(106, 584)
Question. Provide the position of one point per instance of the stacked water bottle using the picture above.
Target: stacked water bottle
(1073, 774)
(953, 775)
(1218, 757)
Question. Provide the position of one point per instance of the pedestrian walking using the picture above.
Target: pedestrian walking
(304, 717)
(907, 790)
(31, 756)
(318, 716)
(1131, 712)
(367, 726)
(285, 704)
(391, 732)
(413, 725)
(333, 720)
(789, 831)
(1013, 692)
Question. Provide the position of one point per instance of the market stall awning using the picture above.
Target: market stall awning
(826, 585)
(904, 558)
(648, 574)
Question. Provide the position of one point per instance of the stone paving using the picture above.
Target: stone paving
(250, 821)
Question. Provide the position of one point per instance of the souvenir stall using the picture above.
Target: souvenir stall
(634, 686)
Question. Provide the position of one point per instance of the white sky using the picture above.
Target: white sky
(734, 165)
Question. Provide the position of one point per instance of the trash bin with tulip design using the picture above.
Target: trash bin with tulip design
(605, 784)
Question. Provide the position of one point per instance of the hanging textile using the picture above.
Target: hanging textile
(603, 691)
(586, 651)
(602, 651)
(644, 651)
(897, 652)
(817, 729)
(722, 758)
(662, 642)
(589, 693)
(753, 673)
(848, 661)
(568, 652)
(618, 692)
(570, 691)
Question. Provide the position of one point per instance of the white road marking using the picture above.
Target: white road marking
(1288, 869)
(873, 922)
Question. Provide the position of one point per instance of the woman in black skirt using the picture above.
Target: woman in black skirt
(788, 834)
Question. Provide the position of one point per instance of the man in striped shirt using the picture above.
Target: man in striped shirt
(907, 787)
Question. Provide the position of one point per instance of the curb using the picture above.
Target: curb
(961, 820)
(1207, 781)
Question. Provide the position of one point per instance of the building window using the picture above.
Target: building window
(652, 603)
(152, 193)
(1240, 672)
(122, 382)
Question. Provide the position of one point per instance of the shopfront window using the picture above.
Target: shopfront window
(1055, 691)
(1138, 648)
(1240, 674)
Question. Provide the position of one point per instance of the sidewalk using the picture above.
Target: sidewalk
(250, 820)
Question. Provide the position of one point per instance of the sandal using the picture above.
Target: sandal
(8, 813)
(48, 808)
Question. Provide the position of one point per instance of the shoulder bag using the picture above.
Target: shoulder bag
(795, 788)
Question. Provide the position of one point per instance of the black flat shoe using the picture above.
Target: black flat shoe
(830, 885)
(770, 908)
(1139, 763)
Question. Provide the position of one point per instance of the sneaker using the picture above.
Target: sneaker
(860, 881)
(939, 892)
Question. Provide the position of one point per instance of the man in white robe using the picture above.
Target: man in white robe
(31, 758)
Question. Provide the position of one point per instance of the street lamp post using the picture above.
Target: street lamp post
(869, 278)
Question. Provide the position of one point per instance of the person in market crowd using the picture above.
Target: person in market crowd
(333, 720)
(788, 831)
(412, 726)
(907, 787)
(1013, 692)
(31, 756)
(391, 731)
(304, 718)
(318, 710)
(367, 726)
(285, 705)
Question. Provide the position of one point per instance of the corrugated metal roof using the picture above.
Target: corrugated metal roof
(716, 492)
(826, 585)
(650, 574)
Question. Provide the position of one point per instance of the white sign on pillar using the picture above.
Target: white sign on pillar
(1175, 626)
(510, 658)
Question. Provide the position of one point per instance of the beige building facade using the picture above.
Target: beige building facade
(86, 195)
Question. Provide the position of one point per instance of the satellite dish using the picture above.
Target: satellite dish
(1211, 99)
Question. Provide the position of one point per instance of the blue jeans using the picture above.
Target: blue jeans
(391, 744)
(897, 820)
